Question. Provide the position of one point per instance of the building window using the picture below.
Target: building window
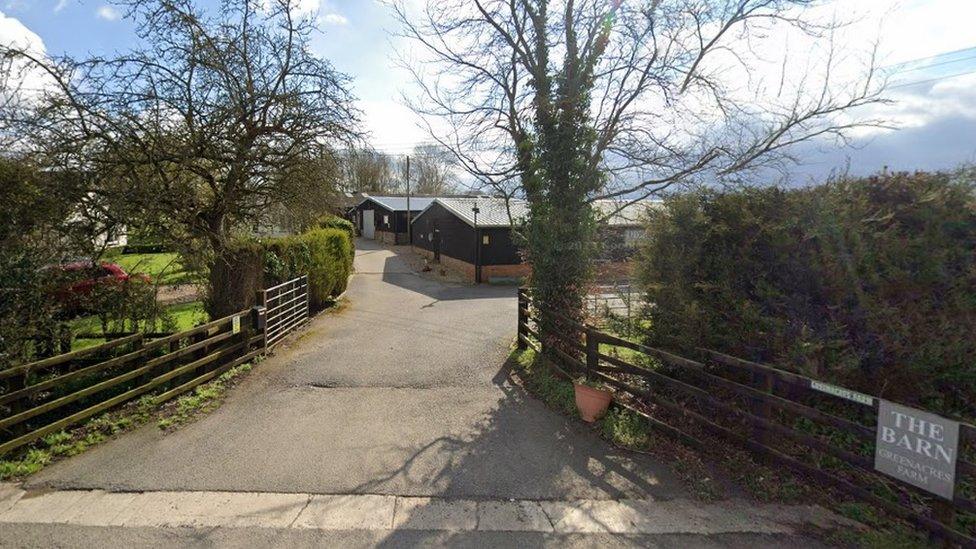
(485, 240)
(633, 236)
(386, 220)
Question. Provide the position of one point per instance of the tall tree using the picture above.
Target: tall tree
(433, 170)
(569, 101)
(202, 129)
(367, 171)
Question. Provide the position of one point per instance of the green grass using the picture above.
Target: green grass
(184, 316)
(163, 268)
(539, 379)
(64, 444)
(205, 398)
(623, 427)
(626, 429)
(202, 400)
(188, 315)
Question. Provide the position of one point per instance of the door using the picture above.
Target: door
(369, 227)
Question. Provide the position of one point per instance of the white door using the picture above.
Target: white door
(368, 225)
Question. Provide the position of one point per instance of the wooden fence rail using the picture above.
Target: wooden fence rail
(772, 413)
(44, 397)
(48, 395)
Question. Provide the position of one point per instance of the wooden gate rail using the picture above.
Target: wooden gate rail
(198, 354)
(286, 308)
(752, 412)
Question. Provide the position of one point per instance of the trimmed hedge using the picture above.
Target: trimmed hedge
(325, 255)
(336, 222)
(870, 283)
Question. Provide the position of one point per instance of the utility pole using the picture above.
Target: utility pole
(477, 247)
(409, 227)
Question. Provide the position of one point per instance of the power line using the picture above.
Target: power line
(923, 67)
(943, 54)
(946, 77)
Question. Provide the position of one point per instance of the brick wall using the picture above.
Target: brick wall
(620, 270)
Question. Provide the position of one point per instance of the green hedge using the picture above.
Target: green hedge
(336, 222)
(870, 283)
(325, 255)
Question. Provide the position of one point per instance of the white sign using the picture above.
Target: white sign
(841, 392)
(236, 324)
(917, 447)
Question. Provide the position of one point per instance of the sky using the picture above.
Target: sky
(928, 46)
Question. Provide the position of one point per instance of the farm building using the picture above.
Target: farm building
(384, 218)
(484, 249)
(448, 231)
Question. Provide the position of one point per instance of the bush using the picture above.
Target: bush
(336, 222)
(870, 283)
(325, 255)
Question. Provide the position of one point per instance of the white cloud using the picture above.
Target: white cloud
(14, 33)
(108, 13)
(60, 5)
(334, 19)
(20, 81)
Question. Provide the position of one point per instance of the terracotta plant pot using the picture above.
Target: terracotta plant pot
(592, 403)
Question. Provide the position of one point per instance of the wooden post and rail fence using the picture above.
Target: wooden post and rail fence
(46, 396)
(832, 435)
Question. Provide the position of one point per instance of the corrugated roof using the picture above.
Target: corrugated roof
(622, 214)
(399, 203)
(492, 212)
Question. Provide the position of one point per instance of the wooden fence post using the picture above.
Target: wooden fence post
(523, 305)
(592, 352)
(763, 408)
(261, 303)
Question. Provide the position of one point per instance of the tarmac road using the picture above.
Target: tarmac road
(403, 393)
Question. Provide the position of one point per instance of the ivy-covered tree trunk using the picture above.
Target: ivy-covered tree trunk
(562, 177)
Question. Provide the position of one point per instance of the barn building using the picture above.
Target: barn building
(384, 218)
(480, 243)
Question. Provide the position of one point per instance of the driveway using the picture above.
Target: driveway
(403, 393)
(390, 423)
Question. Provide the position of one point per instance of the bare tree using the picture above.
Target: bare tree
(565, 102)
(219, 116)
(367, 171)
(433, 170)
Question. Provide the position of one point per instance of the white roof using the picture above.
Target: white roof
(622, 214)
(399, 203)
(492, 211)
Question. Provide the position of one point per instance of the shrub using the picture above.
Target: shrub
(325, 255)
(336, 222)
(870, 283)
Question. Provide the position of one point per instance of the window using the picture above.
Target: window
(386, 220)
(485, 240)
(633, 236)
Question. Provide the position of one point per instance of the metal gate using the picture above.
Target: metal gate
(286, 308)
(369, 226)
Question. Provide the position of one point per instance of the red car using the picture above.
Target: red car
(78, 279)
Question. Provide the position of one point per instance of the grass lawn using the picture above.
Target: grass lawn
(163, 268)
(186, 316)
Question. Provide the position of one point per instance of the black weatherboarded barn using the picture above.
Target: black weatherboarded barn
(385, 218)
(446, 230)
(482, 247)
